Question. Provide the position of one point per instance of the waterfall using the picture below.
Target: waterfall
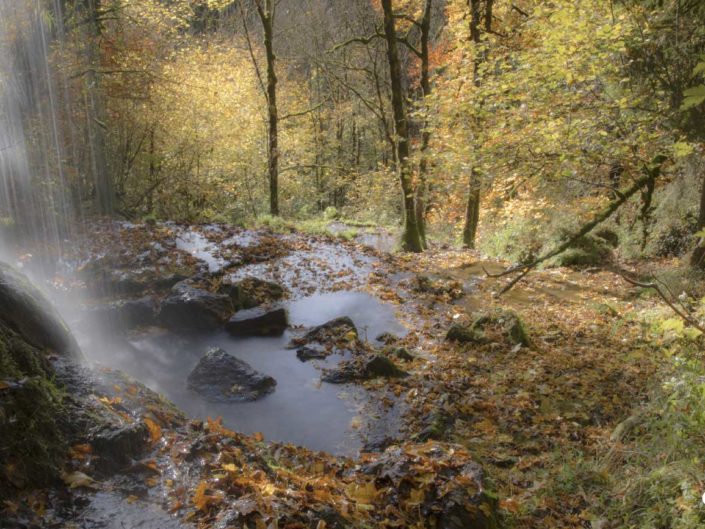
(35, 205)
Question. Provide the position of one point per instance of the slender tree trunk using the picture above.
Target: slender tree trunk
(698, 257)
(411, 240)
(472, 213)
(104, 192)
(422, 191)
(265, 9)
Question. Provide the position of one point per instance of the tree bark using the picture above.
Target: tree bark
(411, 240)
(266, 12)
(472, 212)
(422, 191)
(697, 259)
(96, 122)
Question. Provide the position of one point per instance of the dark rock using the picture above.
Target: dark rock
(509, 323)
(312, 352)
(402, 353)
(193, 309)
(117, 446)
(252, 292)
(336, 328)
(128, 314)
(374, 366)
(381, 366)
(387, 338)
(24, 309)
(258, 322)
(506, 322)
(220, 377)
(440, 286)
(465, 334)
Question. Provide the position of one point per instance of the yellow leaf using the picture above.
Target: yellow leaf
(155, 431)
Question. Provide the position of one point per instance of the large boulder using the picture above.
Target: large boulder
(192, 309)
(258, 322)
(27, 311)
(220, 377)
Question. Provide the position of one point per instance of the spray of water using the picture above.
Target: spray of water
(35, 207)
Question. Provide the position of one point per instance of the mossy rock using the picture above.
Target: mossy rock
(507, 322)
(32, 443)
(465, 334)
(587, 251)
(510, 324)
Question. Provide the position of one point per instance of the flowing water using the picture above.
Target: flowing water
(302, 410)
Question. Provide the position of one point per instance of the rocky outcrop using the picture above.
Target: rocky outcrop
(220, 377)
(192, 309)
(258, 322)
(27, 311)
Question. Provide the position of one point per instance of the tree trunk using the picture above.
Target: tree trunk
(698, 257)
(265, 9)
(422, 191)
(472, 211)
(411, 240)
(96, 122)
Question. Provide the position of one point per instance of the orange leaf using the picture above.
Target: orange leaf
(155, 431)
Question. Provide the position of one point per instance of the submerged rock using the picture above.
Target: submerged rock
(27, 311)
(258, 322)
(189, 308)
(220, 377)
(311, 352)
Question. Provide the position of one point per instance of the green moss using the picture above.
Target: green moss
(32, 445)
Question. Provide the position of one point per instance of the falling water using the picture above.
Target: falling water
(35, 207)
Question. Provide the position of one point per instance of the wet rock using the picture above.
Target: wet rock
(128, 314)
(117, 446)
(312, 352)
(387, 338)
(258, 322)
(220, 377)
(24, 309)
(337, 336)
(374, 366)
(452, 288)
(189, 308)
(252, 292)
(381, 366)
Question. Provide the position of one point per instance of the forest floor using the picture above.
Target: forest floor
(527, 412)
